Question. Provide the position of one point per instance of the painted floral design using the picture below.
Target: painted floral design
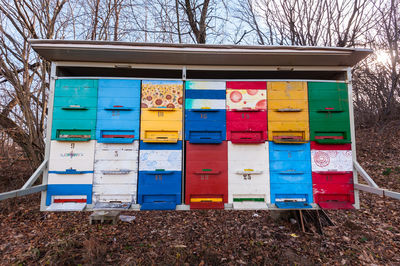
(246, 99)
(331, 160)
(167, 94)
(169, 160)
(321, 159)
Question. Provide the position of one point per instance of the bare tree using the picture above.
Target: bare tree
(24, 77)
(197, 15)
(307, 22)
(98, 19)
(377, 80)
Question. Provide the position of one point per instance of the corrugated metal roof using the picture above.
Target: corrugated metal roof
(196, 54)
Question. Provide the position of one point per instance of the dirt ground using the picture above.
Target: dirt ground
(370, 235)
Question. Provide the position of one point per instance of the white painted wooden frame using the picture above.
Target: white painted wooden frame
(348, 80)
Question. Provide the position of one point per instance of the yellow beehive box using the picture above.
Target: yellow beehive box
(161, 114)
(287, 90)
(161, 131)
(288, 119)
(288, 132)
(287, 110)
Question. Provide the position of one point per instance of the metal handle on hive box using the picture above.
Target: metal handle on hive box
(207, 172)
(118, 108)
(249, 172)
(116, 172)
(74, 107)
(289, 110)
(161, 109)
(246, 110)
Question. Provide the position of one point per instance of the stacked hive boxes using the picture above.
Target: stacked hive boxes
(160, 155)
(332, 164)
(117, 133)
(290, 158)
(71, 162)
(228, 156)
(206, 148)
(248, 165)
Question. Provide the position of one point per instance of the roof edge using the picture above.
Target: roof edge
(37, 42)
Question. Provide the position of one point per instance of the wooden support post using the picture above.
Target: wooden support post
(302, 221)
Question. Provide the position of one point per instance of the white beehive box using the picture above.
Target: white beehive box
(71, 156)
(115, 172)
(248, 175)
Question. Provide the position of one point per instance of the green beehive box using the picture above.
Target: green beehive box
(74, 113)
(88, 102)
(75, 110)
(76, 88)
(329, 112)
(80, 130)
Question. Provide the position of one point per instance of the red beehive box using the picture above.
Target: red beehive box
(246, 116)
(246, 85)
(336, 147)
(246, 126)
(206, 175)
(332, 175)
(332, 195)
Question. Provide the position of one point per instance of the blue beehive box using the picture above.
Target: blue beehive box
(205, 115)
(205, 125)
(290, 175)
(118, 111)
(68, 190)
(160, 176)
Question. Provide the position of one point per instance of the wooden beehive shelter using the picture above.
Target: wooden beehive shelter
(178, 126)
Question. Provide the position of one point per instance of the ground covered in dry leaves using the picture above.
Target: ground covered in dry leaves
(367, 236)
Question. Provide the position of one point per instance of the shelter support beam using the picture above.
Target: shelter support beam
(27, 188)
(372, 187)
(35, 175)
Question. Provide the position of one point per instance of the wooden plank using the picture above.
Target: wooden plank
(35, 175)
(369, 189)
(104, 216)
(364, 174)
(392, 194)
(22, 192)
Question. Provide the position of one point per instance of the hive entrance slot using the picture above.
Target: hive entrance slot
(329, 137)
(74, 136)
(69, 200)
(119, 136)
(248, 199)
